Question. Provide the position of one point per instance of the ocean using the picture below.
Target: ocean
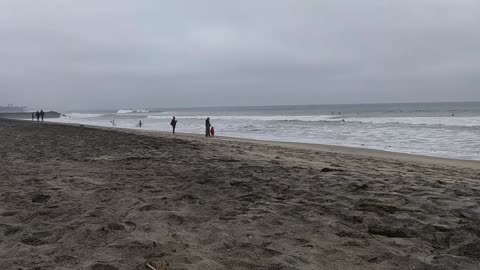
(450, 130)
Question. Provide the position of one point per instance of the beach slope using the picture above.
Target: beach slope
(86, 198)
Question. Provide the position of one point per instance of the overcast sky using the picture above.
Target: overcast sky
(64, 54)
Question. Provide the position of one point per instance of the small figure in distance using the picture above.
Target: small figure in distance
(207, 127)
(139, 124)
(113, 122)
(173, 123)
(212, 132)
(42, 114)
(343, 120)
(33, 116)
(453, 114)
(37, 114)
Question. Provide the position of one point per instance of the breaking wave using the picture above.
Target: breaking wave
(81, 115)
(132, 111)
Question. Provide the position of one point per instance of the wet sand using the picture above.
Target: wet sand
(88, 198)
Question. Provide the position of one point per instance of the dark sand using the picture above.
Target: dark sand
(88, 198)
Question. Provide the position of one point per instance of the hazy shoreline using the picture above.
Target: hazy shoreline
(449, 130)
(308, 146)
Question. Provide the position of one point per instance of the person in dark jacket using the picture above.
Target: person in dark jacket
(33, 116)
(173, 123)
(42, 114)
(207, 127)
(37, 114)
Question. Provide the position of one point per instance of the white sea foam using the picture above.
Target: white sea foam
(132, 111)
(445, 121)
(473, 121)
(305, 118)
(81, 115)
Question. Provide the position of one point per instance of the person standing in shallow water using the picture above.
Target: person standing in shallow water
(42, 114)
(37, 114)
(207, 127)
(173, 123)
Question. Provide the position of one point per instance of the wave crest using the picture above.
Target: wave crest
(81, 115)
(305, 118)
(132, 111)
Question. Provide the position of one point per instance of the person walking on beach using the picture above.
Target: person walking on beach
(207, 127)
(212, 132)
(140, 124)
(33, 116)
(37, 114)
(173, 123)
(42, 114)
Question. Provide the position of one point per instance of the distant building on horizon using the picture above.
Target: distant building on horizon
(12, 109)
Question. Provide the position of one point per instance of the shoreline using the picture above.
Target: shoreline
(368, 152)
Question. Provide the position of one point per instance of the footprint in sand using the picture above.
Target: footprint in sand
(8, 213)
(40, 198)
(66, 260)
(130, 226)
(149, 207)
(115, 227)
(32, 241)
(12, 231)
(101, 266)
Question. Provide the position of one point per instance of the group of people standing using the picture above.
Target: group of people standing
(38, 115)
(209, 130)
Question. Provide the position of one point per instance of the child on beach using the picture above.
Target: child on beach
(212, 132)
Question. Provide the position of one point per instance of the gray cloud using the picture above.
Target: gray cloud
(115, 53)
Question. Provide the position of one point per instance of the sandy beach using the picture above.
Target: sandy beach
(75, 197)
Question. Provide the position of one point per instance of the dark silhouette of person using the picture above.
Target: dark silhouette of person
(33, 116)
(42, 114)
(173, 123)
(212, 132)
(37, 114)
(140, 123)
(207, 127)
